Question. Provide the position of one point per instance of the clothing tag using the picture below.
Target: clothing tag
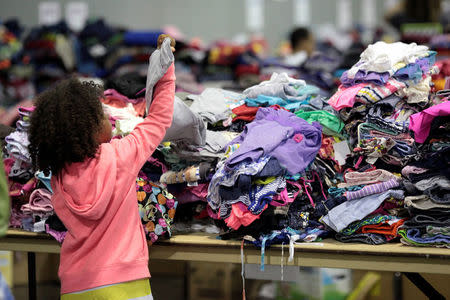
(341, 150)
(39, 226)
(77, 13)
(49, 12)
(193, 183)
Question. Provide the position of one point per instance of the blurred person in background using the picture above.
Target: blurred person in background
(302, 44)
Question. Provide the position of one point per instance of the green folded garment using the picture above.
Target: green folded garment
(331, 123)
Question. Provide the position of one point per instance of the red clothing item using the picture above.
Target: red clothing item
(244, 112)
(387, 228)
(97, 202)
(248, 113)
(240, 215)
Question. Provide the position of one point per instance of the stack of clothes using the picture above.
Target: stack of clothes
(15, 69)
(30, 192)
(195, 142)
(358, 177)
(386, 104)
(428, 203)
(264, 180)
(129, 55)
(51, 52)
(93, 47)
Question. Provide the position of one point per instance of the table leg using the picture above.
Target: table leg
(398, 286)
(31, 276)
(424, 286)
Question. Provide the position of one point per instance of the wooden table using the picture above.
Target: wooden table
(201, 247)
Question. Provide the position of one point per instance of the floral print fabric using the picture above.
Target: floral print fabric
(156, 208)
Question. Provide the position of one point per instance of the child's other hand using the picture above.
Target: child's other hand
(161, 39)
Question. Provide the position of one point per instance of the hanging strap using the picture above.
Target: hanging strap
(263, 247)
(320, 182)
(307, 193)
(263, 250)
(282, 260)
(292, 239)
(283, 198)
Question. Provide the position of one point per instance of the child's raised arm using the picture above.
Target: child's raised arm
(134, 149)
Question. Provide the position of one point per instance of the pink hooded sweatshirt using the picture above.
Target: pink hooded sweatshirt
(96, 200)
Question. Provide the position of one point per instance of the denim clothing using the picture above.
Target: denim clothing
(342, 215)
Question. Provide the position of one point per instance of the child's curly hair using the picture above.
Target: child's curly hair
(64, 125)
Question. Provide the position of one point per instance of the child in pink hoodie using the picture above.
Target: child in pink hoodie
(105, 253)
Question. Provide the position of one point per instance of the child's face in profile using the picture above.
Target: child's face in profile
(105, 132)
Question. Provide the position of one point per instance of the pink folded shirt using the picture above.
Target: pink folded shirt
(40, 202)
(420, 122)
(345, 97)
(240, 215)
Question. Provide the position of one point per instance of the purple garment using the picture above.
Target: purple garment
(58, 235)
(410, 72)
(372, 189)
(415, 70)
(275, 133)
(365, 77)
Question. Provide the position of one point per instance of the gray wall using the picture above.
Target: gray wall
(209, 19)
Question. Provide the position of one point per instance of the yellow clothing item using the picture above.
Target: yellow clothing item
(264, 181)
(137, 289)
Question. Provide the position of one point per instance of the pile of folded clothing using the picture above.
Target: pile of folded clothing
(16, 73)
(30, 192)
(388, 107)
(51, 52)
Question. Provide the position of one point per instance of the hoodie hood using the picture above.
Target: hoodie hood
(78, 185)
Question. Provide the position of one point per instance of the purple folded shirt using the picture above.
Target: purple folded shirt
(276, 133)
(365, 77)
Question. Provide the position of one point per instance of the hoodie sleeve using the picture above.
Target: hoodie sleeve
(134, 149)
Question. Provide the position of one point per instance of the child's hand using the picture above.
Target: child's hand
(161, 39)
